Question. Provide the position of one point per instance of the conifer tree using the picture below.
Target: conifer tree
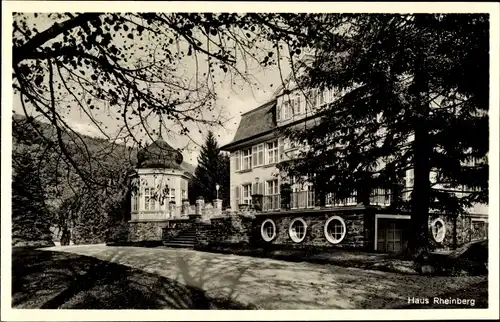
(212, 169)
(31, 220)
(415, 96)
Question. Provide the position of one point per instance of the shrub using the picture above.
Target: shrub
(117, 233)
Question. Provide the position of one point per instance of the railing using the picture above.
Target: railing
(306, 199)
(302, 199)
(331, 201)
(271, 202)
(380, 197)
(175, 212)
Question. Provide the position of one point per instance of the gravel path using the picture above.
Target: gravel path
(273, 284)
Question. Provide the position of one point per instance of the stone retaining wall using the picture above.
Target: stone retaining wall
(140, 231)
(230, 230)
(465, 231)
(245, 229)
(358, 233)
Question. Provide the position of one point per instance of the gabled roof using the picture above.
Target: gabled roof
(254, 123)
(262, 120)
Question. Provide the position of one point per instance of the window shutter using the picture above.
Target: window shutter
(281, 149)
(278, 113)
(333, 93)
(254, 156)
(261, 155)
(261, 188)
(237, 195)
(237, 161)
(254, 188)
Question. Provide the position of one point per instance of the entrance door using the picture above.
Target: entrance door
(389, 235)
(394, 237)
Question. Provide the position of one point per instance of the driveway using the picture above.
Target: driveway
(274, 284)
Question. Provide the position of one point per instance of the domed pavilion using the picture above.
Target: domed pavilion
(161, 183)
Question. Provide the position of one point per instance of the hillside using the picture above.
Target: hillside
(78, 190)
(90, 147)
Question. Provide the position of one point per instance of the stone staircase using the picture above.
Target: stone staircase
(185, 239)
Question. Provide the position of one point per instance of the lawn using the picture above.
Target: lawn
(133, 277)
(44, 279)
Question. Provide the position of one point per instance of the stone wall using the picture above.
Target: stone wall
(465, 231)
(146, 231)
(231, 229)
(241, 229)
(214, 227)
(140, 231)
(174, 227)
(357, 232)
(204, 235)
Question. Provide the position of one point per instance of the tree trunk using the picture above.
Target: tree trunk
(455, 239)
(418, 243)
(65, 237)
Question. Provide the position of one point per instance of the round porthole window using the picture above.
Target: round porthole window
(268, 230)
(297, 230)
(438, 230)
(335, 229)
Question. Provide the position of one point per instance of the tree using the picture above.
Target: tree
(406, 101)
(130, 66)
(212, 169)
(75, 212)
(31, 220)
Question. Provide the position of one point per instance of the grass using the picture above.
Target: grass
(44, 279)
(346, 258)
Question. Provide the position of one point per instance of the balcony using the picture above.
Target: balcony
(302, 199)
(307, 199)
(271, 202)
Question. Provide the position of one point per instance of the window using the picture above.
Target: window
(409, 178)
(237, 192)
(296, 105)
(272, 196)
(479, 229)
(247, 194)
(311, 98)
(272, 152)
(268, 230)
(332, 95)
(135, 203)
(237, 161)
(322, 98)
(380, 197)
(258, 155)
(149, 201)
(335, 229)
(171, 195)
(272, 187)
(258, 188)
(297, 230)
(247, 159)
(287, 110)
(438, 230)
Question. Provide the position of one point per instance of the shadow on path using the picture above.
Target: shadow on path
(51, 280)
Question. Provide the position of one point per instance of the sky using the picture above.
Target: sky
(232, 100)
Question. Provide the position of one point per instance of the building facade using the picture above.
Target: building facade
(161, 184)
(258, 148)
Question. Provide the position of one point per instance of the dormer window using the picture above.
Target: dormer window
(287, 110)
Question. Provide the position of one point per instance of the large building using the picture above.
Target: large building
(258, 147)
